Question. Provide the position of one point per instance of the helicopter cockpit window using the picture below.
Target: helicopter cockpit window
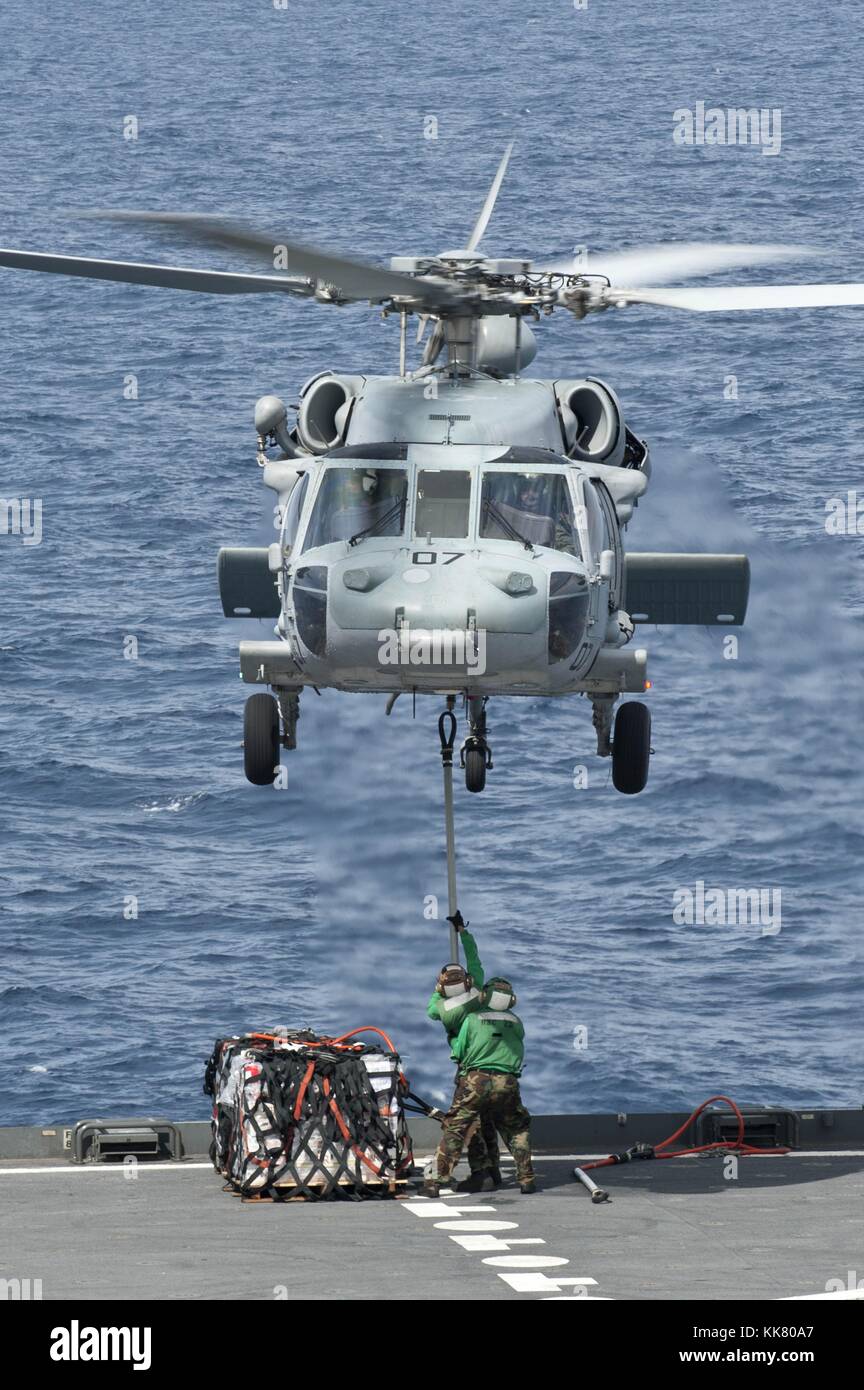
(293, 510)
(443, 503)
(599, 538)
(353, 503)
(529, 507)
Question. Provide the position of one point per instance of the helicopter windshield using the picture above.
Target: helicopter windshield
(533, 508)
(293, 513)
(353, 502)
(443, 502)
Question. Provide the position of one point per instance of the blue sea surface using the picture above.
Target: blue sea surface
(122, 778)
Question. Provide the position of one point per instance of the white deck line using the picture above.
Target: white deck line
(592, 1158)
(63, 1166)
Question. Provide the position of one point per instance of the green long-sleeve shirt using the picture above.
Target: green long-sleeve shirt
(490, 1041)
(452, 1012)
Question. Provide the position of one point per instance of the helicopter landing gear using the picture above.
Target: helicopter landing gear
(476, 755)
(601, 707)
(631, 747)
(260, 739)
(289, 709)
(474, 763)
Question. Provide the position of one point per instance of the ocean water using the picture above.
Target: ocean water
(122, 778)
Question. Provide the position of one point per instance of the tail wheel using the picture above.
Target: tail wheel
(260, 739)
(631, 747)
(475, 769)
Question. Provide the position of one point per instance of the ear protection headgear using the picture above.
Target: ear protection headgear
(453, 980)
(498, 994)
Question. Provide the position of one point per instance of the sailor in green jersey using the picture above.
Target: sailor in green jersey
(456, 995)
(490, 1048)
(457, 990)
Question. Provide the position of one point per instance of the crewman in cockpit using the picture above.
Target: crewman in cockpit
(531, 511)
(356, 505)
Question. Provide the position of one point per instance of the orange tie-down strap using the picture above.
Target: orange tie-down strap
(339, 1042)
(377, 1169)
(304, 1086)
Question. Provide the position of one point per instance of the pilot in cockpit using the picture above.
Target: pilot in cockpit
(524, 506)
(358, 504)
(539, 510)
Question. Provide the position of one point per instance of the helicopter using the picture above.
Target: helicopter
(457, 528)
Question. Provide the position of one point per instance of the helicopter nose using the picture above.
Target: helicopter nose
(439, 590)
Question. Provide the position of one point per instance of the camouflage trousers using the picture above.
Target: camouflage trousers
(492, 1100)
(482, 1140)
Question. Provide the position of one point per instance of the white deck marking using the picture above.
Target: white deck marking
(476, 1226)
(430, 1206)
(840, 1293)
(156, 1167)
(525, 1261)
(507, 1162)
(533, 1280)
(191, 1165)
(541, 1283)
(487, 1243)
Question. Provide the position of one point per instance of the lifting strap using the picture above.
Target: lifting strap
(447, 735)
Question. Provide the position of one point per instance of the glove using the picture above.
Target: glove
(458, 921)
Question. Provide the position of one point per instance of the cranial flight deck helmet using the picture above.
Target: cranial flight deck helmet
(498, 994)
(453, 980)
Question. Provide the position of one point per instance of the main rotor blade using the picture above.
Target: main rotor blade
(350, 279)
(666, 264)
(491, 197)
(433, 347)
(163, 276)
(719, 299)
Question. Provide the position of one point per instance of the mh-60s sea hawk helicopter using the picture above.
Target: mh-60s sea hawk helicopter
(457, 529)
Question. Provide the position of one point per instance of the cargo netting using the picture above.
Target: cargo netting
(299, 1114)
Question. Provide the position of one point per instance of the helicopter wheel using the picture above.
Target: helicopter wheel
(260, 739)
(631, 747)
(475, 769)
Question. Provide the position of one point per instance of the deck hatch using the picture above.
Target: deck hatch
(112, 1141)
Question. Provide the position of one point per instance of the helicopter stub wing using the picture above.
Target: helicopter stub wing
(167, 277)
(705, 590)
(247, 587)
(268, 663)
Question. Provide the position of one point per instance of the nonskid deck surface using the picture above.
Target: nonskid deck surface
(677, 1229)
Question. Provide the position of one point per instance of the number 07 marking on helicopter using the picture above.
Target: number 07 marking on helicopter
(430, 557)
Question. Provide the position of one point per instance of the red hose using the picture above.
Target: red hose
(354, 1031)
(328, 1042)
(730, 1145)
